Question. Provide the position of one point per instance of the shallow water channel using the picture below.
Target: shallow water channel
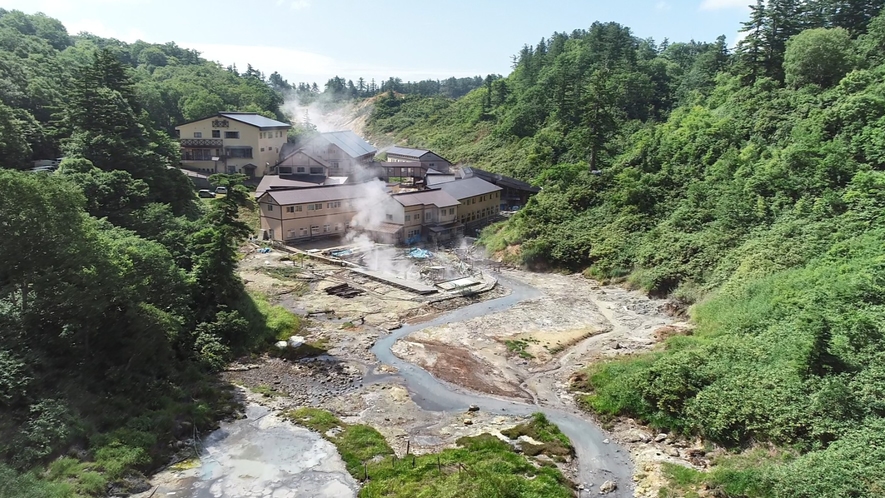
(260, 456)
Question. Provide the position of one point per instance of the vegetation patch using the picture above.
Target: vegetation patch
(482, 467)
(552, 442)
(518, 347)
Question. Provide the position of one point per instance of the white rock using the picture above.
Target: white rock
(296, 341)
(607, 487)
(282, 344)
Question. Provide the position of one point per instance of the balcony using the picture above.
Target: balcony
(201, 142)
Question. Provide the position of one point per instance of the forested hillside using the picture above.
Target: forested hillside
(118, 291)
(747, 182)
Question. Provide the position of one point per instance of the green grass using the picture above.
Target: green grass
(519, 348)
(482, 467)
(266, 391)
(554, 443)
(281, 323)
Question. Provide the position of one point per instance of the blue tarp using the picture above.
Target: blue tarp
(419, 253)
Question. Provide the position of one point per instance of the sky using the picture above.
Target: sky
(314, 40)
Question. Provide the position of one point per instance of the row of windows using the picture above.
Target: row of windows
(198, 154)
(314, 170)
(270, 149)
(311, 207)
(271, 134)
(417, 217)
(314, 230)
(217, 134)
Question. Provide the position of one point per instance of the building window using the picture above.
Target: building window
(216, 133)
(408, 217)
(300, 169)
(417, 217)
(303, 231)
(269, 207)
(298, 209)
(240, 152)
(231, 134)
(316, 171)
(335, 165)
(285, 170)
(325, 228)
(290, 209)
(389, 217)
(198, 134)
(337, 227)
(332, 205)
(452, 211)
(262, 149)
(198, 154)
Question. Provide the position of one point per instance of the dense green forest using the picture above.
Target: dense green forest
(747, 183)
(118, 292)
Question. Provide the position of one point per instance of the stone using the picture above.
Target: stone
(296, 341)
(636, 436)
(473, 408)
(607, 487)
(605, 441)
(660, 438)
(281, 344)
(467, 421)
(673, 452)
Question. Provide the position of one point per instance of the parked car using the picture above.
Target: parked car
(221, 190)
(206, 193)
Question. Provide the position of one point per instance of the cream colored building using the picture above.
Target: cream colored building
(478, 199)
(305, 213)
(232, 142)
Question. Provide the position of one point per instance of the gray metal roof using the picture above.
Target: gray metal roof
(497, 179)
(255, 119)
(468, 187)
(435, 180)
(349, 142)
(407, 151)
(437, 198)
(315, 194)
(269, 182)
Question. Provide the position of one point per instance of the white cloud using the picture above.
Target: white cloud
(300, 4)
(662, 6)
(725, 4)
(302, 66)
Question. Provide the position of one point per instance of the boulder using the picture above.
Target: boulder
(607, 487)
(296, 341)
(281, 344)
(473, 408)
(660, 438)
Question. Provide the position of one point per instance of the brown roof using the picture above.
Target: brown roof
(314, 194)
(437, 198)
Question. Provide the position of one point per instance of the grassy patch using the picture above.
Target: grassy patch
(553, 442)
(281, 324)
(518, 347)
(266, 391)
(356, 443)
(482, 467)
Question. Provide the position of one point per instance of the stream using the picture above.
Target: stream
(598, 461)
(263, 456)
